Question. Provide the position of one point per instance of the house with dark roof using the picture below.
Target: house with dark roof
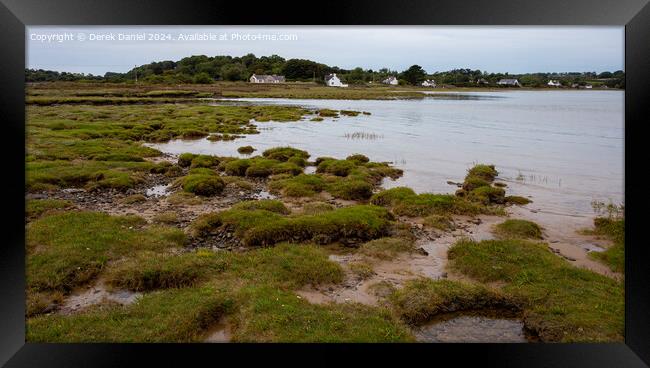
(267, 78)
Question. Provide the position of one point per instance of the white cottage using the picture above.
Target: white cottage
(390, 80)
(509, 82)
(267, 78)
(429, 83)
(554, 83)
(331, 80)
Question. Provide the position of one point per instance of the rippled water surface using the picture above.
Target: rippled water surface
(562, 148)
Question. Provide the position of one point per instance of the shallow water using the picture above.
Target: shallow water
(562, 148)
(158, 191)
(473, 329)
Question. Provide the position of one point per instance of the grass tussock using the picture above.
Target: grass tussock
(354, 178)
(517, 200)
(38, 207)
(404, 202)
(614, 230)
(150, 270)
(175, 315)
(563, 303)
(387, 248)
(521, 229)
(246, 150)
(478, 186)
(279, 316)
(422, 299)
(202, 184)
(260, 227)
(68, 249)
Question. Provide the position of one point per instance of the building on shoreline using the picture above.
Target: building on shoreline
(429, 83)
(331, 80)
(392, 80)
(554, 83)
(267, 78)
(509, 82)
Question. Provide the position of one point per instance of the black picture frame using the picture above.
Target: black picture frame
(15, 15)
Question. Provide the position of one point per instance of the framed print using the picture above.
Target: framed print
(385, 181)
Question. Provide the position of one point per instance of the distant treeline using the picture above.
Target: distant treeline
(206, 69)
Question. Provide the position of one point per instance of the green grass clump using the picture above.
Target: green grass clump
(485, 172)
(422, 299)
(284, 153)
(352, 179)
(299, 186)
(286, 266)
(613, 229)
(298, 161)
(166, 217)
(185, 159)
(404, 202)
(517, 200)
(521, 229)
(351, 189)
(68, 249)
(37, 207)
(246, 150)
(259, 227)
(474, 182)
(350, 112)
(150, 270)
(361, 269)
(174, 315)
(386, 248)
(204, 161)
(261, 168)
(393, 196)
(89, 174)
(271, 205)
(356, 222)
(488, 194)
(237, 167)
(237, 220)
(563, 303)
(441, 222)
(358, 158)
(328, 113)
(132, 199)
(478, 185)
(336, 167)
(203, 185)
(313, 208)
(279, 316)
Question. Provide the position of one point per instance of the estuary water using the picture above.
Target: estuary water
(562, 149)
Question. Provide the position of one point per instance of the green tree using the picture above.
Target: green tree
(414, 75)
(202, 78)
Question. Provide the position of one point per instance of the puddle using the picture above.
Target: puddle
(218, 333)
(158, 191)
(473, 329)
(264, 195)
(95, 295)
(310, 169)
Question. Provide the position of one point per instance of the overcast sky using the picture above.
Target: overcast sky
(492, 49)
